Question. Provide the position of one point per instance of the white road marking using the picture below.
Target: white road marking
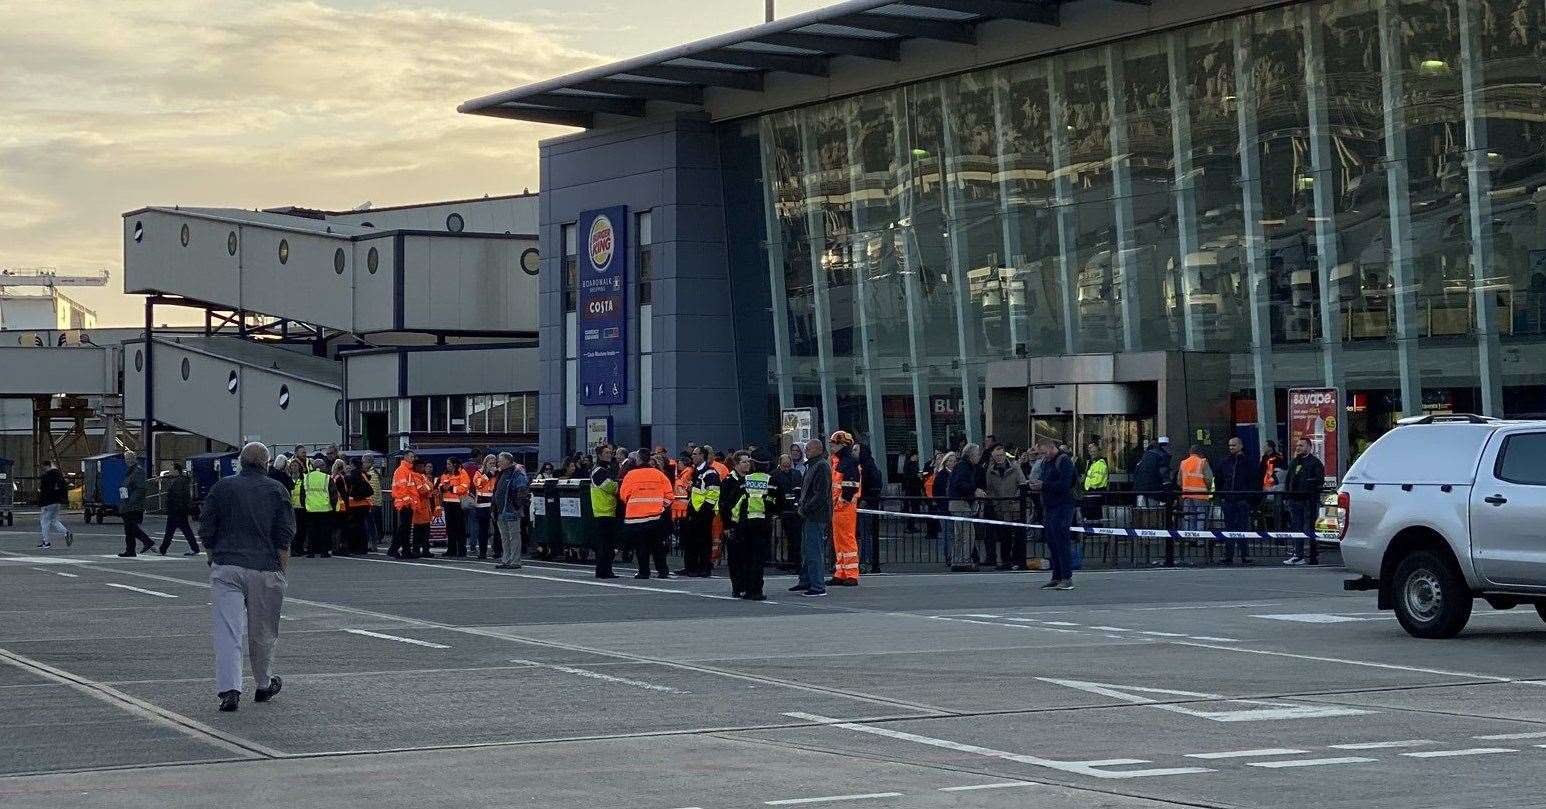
(1381, 745)
(1310, 618)
(1310, 762)
(140, 708)
(996, 785)
(145, 557)
(1469, 751)
(606, 678)
(1270, 710)
(156, 593)
(1088, 768)
(506, 573)
(1265, 751)
(382, 635)
(1161, 634)
(833, 799)
(1500, 737)
(1113, 629)
(1345, 661)
(57, 573)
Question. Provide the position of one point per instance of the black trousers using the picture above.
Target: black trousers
(698, 542)
(132, 532)
(749, 554)
(352, 530)
(421, 539)
(402, 535)
(485, 519)
(649, 543)
(298, 544)
(604, 541)
(794, 528)
(175, 522)
(319, 532)
(456, 529)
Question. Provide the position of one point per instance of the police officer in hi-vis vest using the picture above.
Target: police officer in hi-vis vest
(752, 503)
(603, 508)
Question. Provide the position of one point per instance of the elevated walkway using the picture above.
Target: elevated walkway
(234, 390)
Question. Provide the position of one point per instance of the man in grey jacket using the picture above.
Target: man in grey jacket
(131, 505)
(815, 508)
(247, 525)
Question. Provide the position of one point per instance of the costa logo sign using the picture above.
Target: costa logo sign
(602, 242)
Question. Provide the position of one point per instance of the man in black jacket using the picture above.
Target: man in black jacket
(1153, 477)
(179, 504)
(1306, 478)
(787, 480)
(53, 495)
(1238, 484)
(869, 498)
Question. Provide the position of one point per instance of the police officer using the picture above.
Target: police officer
(750, 516)
(603, 507)
(731, 487)
(702, 502)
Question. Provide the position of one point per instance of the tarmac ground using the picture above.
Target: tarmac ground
(451, 684)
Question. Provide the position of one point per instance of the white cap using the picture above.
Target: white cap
(1164, 439)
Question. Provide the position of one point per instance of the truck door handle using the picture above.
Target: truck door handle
(1496, 499)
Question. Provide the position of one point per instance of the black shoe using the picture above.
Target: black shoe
(641, 575)
(798, 588)
(326, 555)
(737, 594)
(266, 694)
(834, 581)
(1051, 585)
(1003, 567)
(229, 700)
(128, 555)
(849, 582)
(663, 575)
(755, 597)
(161, 552)
(394, 555)
(684, 572)
(190, 553)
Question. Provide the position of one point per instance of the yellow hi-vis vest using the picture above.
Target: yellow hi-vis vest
(1096, 476)
(753, 503)
(314, 491)
(603, 496)
(702, 490)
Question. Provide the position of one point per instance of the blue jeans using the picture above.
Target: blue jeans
(813, 556)
(1060, 547)
(1194, 515)
(1301, 519)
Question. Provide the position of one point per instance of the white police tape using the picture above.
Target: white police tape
(1146, 533)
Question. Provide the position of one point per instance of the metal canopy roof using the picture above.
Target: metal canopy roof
(803, 44)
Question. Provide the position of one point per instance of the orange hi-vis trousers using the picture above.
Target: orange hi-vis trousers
(845, 540)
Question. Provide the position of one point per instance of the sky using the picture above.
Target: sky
(114, 105)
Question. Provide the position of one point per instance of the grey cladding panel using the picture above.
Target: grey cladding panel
(306, 286)
(50, 370)
(204, 269)
(309, 419)
(373, 298)
(495, 370)
(468, 285)
(371, 376)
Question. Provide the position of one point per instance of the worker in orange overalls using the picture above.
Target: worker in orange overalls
(455, 490)
(426, 504)
(845, 509)
(404, 498)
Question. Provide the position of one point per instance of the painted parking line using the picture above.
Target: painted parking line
(596, 675)
(1070, 627)
(1382, 745)
(1093, 769)
(994, 785)
(382, 635)
(1348, 662)
(1258, 711)
(1310, 618)
(57, 573)
(1265, 751)
(1503, 737)
(869, 796)
(156, 593)
(1469, 751)
(1310, 762)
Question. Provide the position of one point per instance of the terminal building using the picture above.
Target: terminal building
(938, 220)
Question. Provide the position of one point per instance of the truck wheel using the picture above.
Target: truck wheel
(1431, 599)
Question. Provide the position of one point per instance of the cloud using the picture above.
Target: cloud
(249, 104)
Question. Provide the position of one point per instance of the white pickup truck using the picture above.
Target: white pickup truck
(1443, 510)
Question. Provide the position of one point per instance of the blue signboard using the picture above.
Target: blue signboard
(603, 306)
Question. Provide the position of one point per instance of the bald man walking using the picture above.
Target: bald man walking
(247, 525)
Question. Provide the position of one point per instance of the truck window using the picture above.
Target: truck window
(1523, 459)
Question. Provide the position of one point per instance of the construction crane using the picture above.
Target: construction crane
(49, 277)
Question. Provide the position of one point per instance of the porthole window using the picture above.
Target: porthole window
(338, 412)
(139, 231)
(338, 261)
(232, 382)
(284, 251)
(455, 223)
(139, 360)
(230, 243)
(185, 236)
(284, 397)
(372, 260)
(187, 369)
(531, 261)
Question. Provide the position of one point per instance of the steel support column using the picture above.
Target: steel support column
(816, 235)
(1123, 262)
(1067, 216)
(1479, 173)
(1186, 195)
(910, 263)
(1403, 290)
(1014, 252)
(148, 426)
(775, 251)
(858, 260)
(1257, 269)
(960, 261)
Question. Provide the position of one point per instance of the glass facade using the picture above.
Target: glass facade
(1345, 193)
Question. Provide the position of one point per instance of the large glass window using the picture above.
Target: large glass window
(643, 238)
(571, 267)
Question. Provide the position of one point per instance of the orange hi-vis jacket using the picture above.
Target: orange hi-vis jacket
(846, 476)
(428, 501)
(1194, 478)
(404, 486)
(683, 486)
(645, 494)
(455, 484)
(483, 486)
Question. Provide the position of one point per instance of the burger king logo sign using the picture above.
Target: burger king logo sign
(601, 241)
